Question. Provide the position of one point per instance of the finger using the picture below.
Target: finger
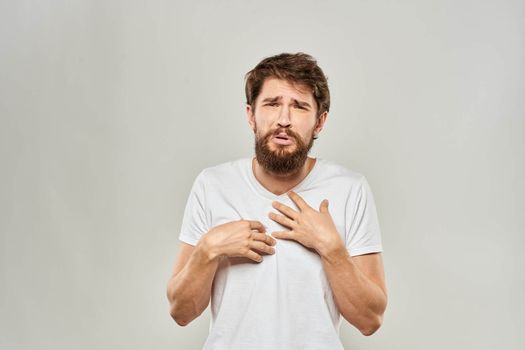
(283, 235)
(283, 220)
(253, 256)
(256, 225)
(286, 210)
(262, 247)
(323, 208)
(298, 200)
(263, 238)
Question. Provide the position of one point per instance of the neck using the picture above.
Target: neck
(281, 183)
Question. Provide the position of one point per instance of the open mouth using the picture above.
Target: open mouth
(282, 139)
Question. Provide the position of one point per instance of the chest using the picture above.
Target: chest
(246, 205)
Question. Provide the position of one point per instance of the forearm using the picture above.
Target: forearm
(189, 291)
(361, 301)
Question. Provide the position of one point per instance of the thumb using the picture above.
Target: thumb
(323, 208)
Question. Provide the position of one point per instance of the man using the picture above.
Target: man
(281, 244)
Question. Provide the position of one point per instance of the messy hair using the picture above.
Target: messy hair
(298, 68)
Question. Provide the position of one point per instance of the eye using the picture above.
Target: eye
(300, 107)
(272, 104)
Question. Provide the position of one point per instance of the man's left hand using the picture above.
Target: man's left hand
(311, 228)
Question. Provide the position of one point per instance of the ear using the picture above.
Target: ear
(320, 123)
(250, 116)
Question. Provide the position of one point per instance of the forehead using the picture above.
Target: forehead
(274, 87)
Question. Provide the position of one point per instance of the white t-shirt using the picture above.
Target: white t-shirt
(284, 302)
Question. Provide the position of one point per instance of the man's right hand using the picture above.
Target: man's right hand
(243, 238)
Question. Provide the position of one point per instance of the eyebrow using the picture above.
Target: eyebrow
(302, 103)
(277, 98)
(271, 99)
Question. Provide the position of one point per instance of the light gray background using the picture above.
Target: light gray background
(110, 108)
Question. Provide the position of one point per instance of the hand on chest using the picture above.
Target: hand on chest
(289, 217)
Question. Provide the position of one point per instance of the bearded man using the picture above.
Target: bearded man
(258, 238)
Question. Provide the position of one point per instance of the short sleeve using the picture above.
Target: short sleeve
(363, 234)
(194, 221)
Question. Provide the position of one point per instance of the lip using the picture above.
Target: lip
(282, 139)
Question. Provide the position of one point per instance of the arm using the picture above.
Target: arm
(357, 282)
(358, 286)
(189, 288)
(189, 296)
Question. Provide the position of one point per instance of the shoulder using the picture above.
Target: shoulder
(226, 168)
(335, 172)
(224, 171)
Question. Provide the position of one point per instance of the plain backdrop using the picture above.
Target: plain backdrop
(109, 109)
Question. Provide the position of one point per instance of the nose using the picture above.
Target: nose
(284, 117)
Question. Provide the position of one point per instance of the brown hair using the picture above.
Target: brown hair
(298, 68)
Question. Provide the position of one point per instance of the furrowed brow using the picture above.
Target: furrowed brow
(271, 99)
(302, 104)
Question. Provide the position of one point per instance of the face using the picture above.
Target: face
(284, 121)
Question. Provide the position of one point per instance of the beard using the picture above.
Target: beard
(281, 161)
